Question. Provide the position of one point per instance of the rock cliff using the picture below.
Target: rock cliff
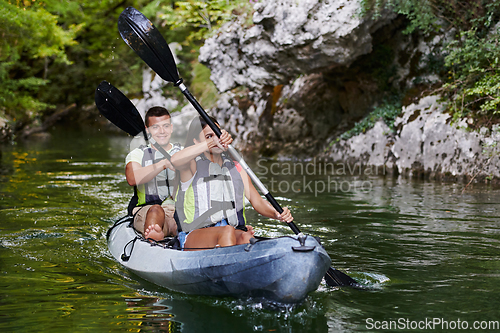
(287, 39)
(426, 144)
(297, 74)
(304, 71)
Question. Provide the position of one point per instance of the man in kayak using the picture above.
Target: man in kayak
(149, 170)
(212, 192)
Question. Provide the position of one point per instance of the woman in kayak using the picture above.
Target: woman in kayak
(212, 192)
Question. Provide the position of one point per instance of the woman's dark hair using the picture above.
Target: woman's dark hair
(156, 111)
(197, 125)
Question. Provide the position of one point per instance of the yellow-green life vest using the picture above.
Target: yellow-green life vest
(216, 193)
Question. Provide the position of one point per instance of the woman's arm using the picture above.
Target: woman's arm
(184, 159)
(262, 206)
(181, 160)
(136, 174)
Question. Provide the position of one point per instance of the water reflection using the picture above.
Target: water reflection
(149, 314)
(182, 313)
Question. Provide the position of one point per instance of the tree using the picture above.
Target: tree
(55, 53)
(29, 39)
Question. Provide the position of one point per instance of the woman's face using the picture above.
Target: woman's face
(208, 134)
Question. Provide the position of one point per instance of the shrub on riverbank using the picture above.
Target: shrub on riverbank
(471, 80)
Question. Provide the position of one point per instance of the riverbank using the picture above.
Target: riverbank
(425, 144)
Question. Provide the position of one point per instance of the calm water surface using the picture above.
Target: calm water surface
(427, 252)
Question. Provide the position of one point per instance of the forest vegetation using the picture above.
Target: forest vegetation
(54, 53)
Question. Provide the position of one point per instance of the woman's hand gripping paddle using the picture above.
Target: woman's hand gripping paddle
(142, 37)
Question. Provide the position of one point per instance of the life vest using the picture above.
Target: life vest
(160, 187)
(216, 193)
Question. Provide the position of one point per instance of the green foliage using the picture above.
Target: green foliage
(388, 112)
(474, 76)
(100, 53)
(55, 52)
(189, 23)
(200, 18)
(33, 31)
(433, 15)
(28, 36)
(419, 12)
(16, 96)
(203, 87)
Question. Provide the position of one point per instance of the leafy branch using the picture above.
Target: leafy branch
(201, 18)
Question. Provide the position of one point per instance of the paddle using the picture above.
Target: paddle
(119, 110)
(142, 37)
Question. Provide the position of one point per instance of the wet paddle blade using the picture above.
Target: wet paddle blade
(335, 278)
(118, 109)
(142, 37)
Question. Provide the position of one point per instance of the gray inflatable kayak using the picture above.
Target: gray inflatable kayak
(283, 269)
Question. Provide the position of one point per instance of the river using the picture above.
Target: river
(428, 252)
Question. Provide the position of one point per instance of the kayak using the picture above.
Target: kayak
(283, 269)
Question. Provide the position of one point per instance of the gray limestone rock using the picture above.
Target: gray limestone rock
(288, 38)
(426, 144)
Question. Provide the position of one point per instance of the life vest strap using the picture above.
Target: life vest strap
(216, 177)
(216, 206)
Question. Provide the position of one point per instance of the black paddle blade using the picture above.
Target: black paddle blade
(142, 37)
(118, 109)
(335, 278)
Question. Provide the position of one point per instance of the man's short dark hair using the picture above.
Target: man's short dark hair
(156, 111)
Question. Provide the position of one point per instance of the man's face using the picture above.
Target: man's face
(160, 129)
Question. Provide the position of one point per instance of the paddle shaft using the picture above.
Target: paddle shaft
(235, 155)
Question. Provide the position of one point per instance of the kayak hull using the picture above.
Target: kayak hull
(280, 269)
